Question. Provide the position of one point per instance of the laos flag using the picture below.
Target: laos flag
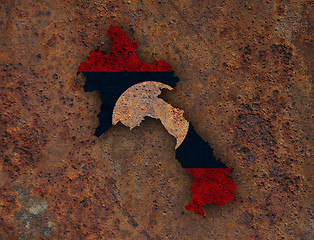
(129, 91)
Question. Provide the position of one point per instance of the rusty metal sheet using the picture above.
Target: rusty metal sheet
(245, 69)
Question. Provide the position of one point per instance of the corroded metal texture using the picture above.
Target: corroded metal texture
(245, 69)
(141, 100)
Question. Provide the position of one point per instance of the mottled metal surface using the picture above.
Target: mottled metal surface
(141, 100)
(245, 69)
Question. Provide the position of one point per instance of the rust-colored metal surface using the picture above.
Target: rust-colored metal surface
(245, 69)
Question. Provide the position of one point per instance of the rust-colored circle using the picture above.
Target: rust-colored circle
(142, 100)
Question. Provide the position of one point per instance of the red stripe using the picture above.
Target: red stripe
(123, 57)
(210, 185)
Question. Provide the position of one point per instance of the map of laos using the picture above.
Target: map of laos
(129, 91)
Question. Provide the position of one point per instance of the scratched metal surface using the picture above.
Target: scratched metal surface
(245, 69)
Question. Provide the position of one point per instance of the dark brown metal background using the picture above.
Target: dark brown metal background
(245, 69)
